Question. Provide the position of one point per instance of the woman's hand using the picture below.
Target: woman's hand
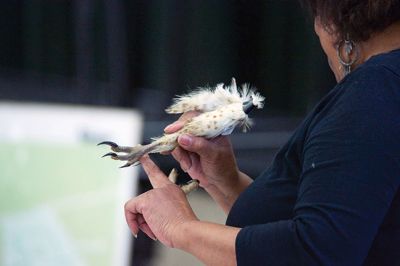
(160, 212)
(164, 213)
(212, 162)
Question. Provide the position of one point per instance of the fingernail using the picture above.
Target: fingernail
(169, 127)
(135, 236)
(185, 140)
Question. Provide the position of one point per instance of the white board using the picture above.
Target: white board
(60, 202)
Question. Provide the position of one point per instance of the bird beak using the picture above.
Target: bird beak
(248, 106)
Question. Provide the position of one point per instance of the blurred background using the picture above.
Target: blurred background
(137, 55)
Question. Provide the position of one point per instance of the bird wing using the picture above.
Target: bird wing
(206, 99)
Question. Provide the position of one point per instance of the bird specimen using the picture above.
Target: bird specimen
(221, 108)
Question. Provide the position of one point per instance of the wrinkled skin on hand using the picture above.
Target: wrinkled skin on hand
(159, 212)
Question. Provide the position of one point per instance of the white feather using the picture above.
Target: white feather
(209, 99)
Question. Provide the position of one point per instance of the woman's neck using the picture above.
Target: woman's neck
(382, 42)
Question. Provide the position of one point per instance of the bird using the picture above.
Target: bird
(221, 108)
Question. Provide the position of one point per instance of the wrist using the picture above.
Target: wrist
(233, 191)
(183, 235)
(226, 194)
(213, 244)
(235, 186)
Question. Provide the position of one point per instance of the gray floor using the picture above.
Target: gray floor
(206, 210)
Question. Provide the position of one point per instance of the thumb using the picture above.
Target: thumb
(198, 145)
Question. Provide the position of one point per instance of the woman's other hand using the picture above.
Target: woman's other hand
(164, 214)
(159, 212)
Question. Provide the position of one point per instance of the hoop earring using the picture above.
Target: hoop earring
(348, 46)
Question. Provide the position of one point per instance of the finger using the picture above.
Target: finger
(182, 120)
(132, 222)
(133, 208)
(156, 176)
(194, 158)
(188, 115)
(183, 158)
(145, 227)
(174, 127)
(194, 171)
(198, 145)
(222, 140)
(165, 152)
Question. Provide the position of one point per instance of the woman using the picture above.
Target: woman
(332, 195)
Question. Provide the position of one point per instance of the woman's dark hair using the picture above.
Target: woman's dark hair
(356, 19)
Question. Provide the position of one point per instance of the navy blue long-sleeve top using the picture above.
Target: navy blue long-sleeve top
(331, 195)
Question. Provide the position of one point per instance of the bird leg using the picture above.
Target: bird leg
(190, 186)
(115, 147)
(129, 154)
(167, 142)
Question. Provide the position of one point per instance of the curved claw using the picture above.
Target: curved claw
(110, 143)
(194, 181)
(190, 186)
(125, 165)
(129, 164)
(111, 154)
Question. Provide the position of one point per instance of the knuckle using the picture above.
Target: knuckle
(177, 153)
(126, 205)
(184, 167)
(203, 145)
(199, 142)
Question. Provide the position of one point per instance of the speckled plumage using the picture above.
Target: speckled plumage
(221, 110)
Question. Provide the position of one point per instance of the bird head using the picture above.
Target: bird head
(253, 100)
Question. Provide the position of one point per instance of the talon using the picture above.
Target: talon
(173, 175)
(125, 165)
(111, 154)
(190, 186)
(194, 181)
(130, 163)
(110, 143)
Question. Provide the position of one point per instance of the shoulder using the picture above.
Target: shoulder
(363, 108)
(373, 90)
(380, 75)
(374, 87)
